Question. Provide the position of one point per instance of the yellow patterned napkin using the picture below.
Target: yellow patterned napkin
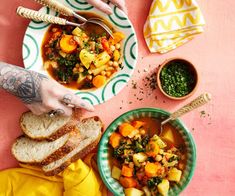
(172, 23)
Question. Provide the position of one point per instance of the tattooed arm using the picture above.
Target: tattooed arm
(39, 93)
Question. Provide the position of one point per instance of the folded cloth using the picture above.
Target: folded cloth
(172, 23)
(79, 179)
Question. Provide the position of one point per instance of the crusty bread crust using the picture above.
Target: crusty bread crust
(58, 154)
(79, 155)
(57, 133)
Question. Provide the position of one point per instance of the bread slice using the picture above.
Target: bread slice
(27, 150)
(90, 130)
(44, 127)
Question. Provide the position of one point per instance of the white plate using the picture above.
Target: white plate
(35, 32)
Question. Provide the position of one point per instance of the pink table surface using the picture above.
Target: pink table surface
(213, 53)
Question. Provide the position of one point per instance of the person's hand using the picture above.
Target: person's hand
(39, 94)
(101, 5)
(56, 99)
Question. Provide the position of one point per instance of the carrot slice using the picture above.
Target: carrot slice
(127, 171)
(125, 129)
(99, 81)
(115, 139)
(117, 37)
(68, 44)
(137, 124)
(128, 182)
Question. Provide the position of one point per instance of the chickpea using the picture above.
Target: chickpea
(161, 151)
(112, 48)
(81, 69)
(77, 65)
(54, 30)
(46, 65)
(110, 69)
(89, 77)
(169, 151)
(110, 63)
(54, 64)
(137, 136)
(181, 166)
(158, 157)
(142, 132)
(118, 46)
(115, 64)
(89, 71)
(103, 73)
(108, 73)
(75, 70)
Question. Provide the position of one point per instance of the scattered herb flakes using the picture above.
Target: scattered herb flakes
(151, 81)
(134, 84)
(202, 113)
(120, 108)
(193, 129)
(130, 102)
(145, 70)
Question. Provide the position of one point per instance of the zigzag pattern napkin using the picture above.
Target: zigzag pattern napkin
(172, 23)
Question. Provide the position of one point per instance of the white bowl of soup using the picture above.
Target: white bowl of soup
(85, 60)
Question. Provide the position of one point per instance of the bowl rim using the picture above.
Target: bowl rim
(147, 109)
(35, 33)
(162, 65)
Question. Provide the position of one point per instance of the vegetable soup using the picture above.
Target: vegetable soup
(143, 162)
(81, 58)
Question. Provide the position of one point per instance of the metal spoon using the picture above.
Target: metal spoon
(38, 16)
(199, 101)
(66, 11)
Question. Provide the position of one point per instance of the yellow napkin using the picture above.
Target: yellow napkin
(79, 179)
(172, 23)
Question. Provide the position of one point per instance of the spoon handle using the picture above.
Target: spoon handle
(61, 8)
(199, 101)
(38, 16)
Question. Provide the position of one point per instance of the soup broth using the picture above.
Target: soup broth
(81, 58)
(167, 153)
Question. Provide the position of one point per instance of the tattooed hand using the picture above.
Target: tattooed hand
(104, 7)
(37, 92)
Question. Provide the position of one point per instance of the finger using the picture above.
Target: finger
(77, 102)
(102, 6)
(37, 110)
(61, 109)
(120, 3)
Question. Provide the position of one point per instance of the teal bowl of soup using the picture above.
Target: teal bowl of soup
(134, 160)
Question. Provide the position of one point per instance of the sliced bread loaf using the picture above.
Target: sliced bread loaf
(27, 150)
(44, 127)
(90, 131)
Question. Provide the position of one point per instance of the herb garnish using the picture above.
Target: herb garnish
(177, 79)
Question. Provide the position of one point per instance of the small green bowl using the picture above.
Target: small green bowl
(103, 162)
